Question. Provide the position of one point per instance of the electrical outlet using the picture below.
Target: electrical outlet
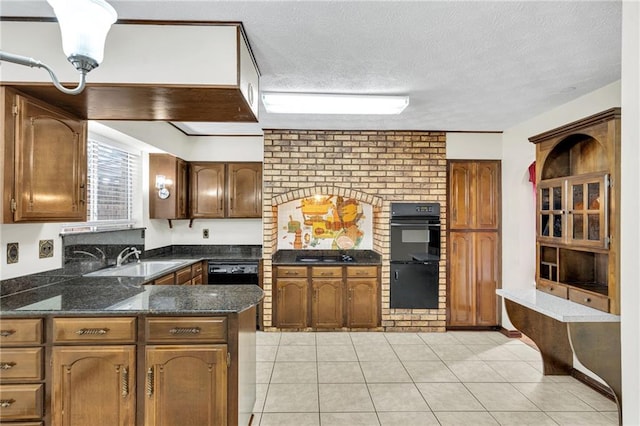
(205, 233)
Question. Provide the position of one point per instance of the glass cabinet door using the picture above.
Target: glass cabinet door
(552, 210)
(588, 209)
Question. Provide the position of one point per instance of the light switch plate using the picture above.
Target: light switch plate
(12, 253)
(46, 248)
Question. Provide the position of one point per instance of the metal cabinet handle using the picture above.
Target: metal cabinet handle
(125, 381)
(6, 333)
(292, 272)
(397, 275)
(7, 365)
(185, 330)
(6, 403)
(587, 300)
(149, 388)
(92, 331)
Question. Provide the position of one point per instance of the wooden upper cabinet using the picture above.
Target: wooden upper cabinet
(474, 194)
(175, 172)
(207, 190)
(244, 193)
(45, 162)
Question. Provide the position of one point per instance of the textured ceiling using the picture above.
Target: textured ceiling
(474, 66)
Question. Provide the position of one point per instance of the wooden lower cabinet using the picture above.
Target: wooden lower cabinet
(473, 279)
(94, 385)
(173, 372)
(292, 298)
(327, 302)
(362, 303)
(336, 297)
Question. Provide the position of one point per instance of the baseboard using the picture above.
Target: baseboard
(512, 334)
(593, 384)
(472, 328)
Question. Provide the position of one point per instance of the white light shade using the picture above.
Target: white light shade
(319, 103)
(84, 25)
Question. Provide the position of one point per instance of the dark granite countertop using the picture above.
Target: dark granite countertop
(65, 291)
(360, 257)
(123, 296)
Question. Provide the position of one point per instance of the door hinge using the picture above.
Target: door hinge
(607, 241)
(14, 205)
(228, 359)
(15, 109)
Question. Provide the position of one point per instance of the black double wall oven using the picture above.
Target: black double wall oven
(415, 255)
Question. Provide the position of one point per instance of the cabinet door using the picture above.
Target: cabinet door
(181, 188)
(487, 272)
(326, 304)
(207, 190)
(552, 208)
(174, 171)
(93, 385)
(362, 303)
(291, 302)
(461, 178)
(487, 194)
(186, 385)
(588, 210)
(50, 164)
(245, 190)
(461, 291)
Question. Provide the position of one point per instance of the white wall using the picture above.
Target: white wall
(630, 206)
(28, 237)
(474, 146)
(518, 207)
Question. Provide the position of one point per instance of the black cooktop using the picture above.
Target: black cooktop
(343, 258)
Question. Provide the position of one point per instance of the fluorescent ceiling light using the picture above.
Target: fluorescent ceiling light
(319, 103)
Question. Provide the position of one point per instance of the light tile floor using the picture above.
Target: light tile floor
(407, 379)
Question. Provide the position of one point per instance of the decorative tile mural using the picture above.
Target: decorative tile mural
(325, 222)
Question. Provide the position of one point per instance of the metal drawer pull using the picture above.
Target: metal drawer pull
(185, 330)
(125, 382)
(7, 365)
(92, 331)
(292, 273)
(150, 382)
(6, 403)
(6, 333)
(587, 300)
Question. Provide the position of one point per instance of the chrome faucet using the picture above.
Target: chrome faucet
(123, 255)
(102, 257)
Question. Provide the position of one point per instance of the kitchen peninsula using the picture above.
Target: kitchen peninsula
(119, 352)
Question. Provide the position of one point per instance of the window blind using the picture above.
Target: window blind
(111, 175)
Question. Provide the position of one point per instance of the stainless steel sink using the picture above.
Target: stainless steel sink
(142, 269)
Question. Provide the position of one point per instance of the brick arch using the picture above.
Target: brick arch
(296, 194)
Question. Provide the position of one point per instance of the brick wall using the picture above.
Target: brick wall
(377, 167)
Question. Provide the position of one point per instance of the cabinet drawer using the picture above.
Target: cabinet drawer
(166, 280)
(362, 271)
(20, 332)
(326, 272)
(21, 402)
(20, 364)
(196, 269)
(105, 330)
(291, 271)
(191, 329)
(197, 280)
(553, 288)
(596, 301)
(183, 276)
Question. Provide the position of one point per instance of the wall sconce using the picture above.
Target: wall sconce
(84, 25)
(162, 184)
